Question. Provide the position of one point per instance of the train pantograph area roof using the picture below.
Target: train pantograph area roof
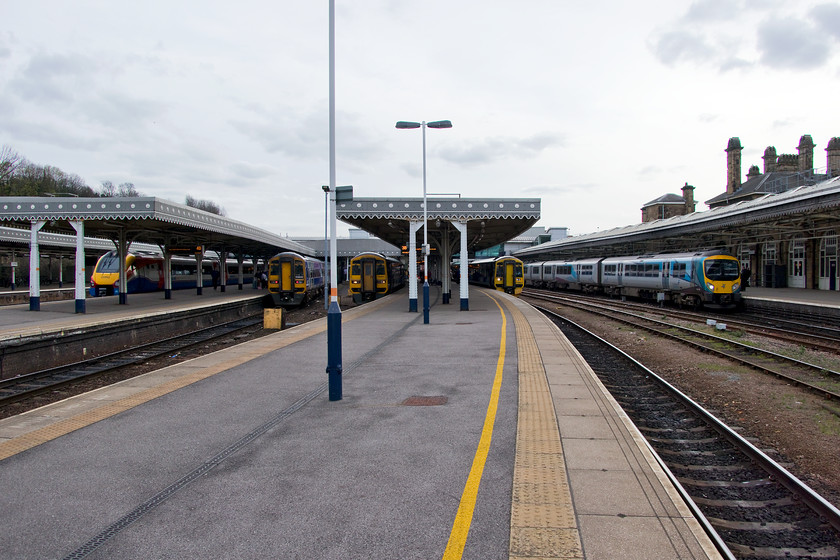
(490, 221)
(146, 220)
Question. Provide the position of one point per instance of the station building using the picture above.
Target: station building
(782, 222)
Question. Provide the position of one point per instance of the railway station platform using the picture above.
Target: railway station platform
(481, 435)
(17, 320)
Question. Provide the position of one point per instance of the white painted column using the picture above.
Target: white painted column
(412, 264)
(464, 266)
(79, 291)
(35, 266)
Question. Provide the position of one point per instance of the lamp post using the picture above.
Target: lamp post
(334, 311)
(326, 189)
(423, 125)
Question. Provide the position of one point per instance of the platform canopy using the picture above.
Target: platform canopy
(490, 221)
(147, 220)
(810, 212)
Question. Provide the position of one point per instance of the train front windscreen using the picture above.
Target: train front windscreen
(108, 263)
(721, 269)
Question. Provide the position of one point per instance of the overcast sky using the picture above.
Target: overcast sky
(594, 107)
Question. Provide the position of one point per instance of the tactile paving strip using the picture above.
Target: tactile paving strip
(542, 520)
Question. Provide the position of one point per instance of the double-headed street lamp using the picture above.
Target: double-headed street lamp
(423, 125)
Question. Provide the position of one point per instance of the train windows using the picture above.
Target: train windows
(109, 263)
(678, 270)
(298, 269)
(380, 268)
(721, 269)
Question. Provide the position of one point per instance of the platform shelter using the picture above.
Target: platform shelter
(125, 220)
(455, 225)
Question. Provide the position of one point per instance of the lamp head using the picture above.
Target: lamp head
(440, 124)
(408, 124)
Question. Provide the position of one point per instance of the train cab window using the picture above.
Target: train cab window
(721, 269)
(356, 270)
(380, 268)
(298, 269)
(109, 263)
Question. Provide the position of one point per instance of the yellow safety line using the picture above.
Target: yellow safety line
(463, 519)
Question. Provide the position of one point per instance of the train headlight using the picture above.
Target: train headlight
(381, 282)
(711, 287)
(736, 286)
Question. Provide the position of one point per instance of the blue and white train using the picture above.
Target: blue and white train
(693, 279)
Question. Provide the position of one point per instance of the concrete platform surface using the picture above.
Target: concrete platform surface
(481, 435)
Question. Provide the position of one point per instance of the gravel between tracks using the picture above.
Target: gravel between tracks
(799, 430)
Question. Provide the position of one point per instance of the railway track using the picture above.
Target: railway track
(812, 332)
(756, 508)
(815, 377)
(52, 379)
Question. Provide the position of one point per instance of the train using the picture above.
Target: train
(294, 279)
(692, 279)
(144, 272)
(373, 275)
(505, 274)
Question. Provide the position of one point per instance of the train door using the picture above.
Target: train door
(509, 281)
(666, 275)
(368, 277)
(286, 277)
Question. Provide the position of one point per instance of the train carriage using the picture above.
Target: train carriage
(692, 279)
(293, 279)
(505, 274)
(144, 273)
(373, 275)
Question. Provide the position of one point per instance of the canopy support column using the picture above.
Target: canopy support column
(79, 226)
(413, 226)
(35, 266)
(464, 266)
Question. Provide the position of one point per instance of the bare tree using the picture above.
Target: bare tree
(109, 189)
(206, 205)
(10, 160)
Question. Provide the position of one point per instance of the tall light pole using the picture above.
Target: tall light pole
(423, 125)
(334, 311)
(326, 189)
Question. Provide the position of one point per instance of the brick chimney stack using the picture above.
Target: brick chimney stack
(770, 158)
(688, 196)
(733, 164)
(806, 153)
(833, 157)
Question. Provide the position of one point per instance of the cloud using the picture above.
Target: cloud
(791, 44)
(494, 149)
(720, 33)
(681, 46)
(711, 11)
(827, 18)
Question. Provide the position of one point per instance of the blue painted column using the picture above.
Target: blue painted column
(464, 287)
(79, 275)
(412, 265)
(35, 266)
